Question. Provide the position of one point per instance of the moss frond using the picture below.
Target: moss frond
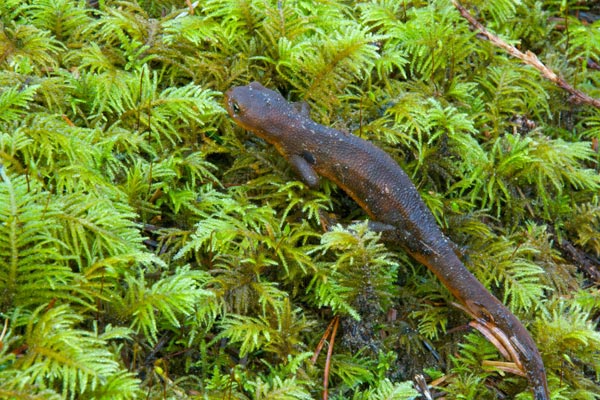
(67, 359)
(360, 265)
(586, 225)
(61, 17)
(19, 42)
(31, 259)
(14, 101)
(574, 334)
(389, 390)
(170, 299)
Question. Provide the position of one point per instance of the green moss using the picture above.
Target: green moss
(149, 248)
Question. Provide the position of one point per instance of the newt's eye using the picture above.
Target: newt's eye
(235, 107)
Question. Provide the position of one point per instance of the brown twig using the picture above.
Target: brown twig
(322, 341)
(329, 334)
(579, 258)
(190, 6)
(528, 58)
(328, 359)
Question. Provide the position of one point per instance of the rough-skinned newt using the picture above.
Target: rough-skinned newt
(378, 184)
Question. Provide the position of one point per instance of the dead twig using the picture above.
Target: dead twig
(528, 58)
(330, 334)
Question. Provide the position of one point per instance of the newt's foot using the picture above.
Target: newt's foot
(518, 348)
(502, 343)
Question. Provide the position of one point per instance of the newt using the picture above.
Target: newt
(379, 185)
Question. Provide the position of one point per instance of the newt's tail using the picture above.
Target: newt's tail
(491, 318)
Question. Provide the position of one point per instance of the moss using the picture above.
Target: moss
(149, 248)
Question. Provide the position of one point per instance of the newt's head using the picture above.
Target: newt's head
(260, 110)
